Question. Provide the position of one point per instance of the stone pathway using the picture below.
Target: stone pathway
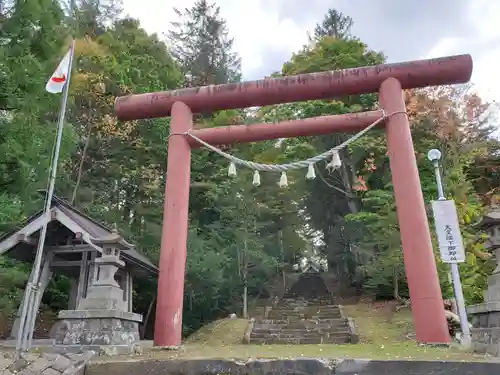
(44, 363)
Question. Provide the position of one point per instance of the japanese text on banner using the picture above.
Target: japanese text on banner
(448, 231)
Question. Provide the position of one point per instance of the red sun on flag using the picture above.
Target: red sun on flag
(57, 79)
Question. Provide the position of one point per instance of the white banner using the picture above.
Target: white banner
(448, 233)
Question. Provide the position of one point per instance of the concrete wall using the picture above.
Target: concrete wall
(291, 367)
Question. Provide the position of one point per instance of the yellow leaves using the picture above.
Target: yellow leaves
(466, 218)
(126, 90)
(100, 87)
(437, 105)
(90, 79)
(108, 126)
(89, 48)
(471, 258)
(88, 83)
(474, 107)
(481, 254)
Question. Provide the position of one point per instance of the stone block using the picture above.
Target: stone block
(100, 314)
(48, 364)
(303, 366)
(95, 329)
(61, 363)
(50, 371)
(5, 361)
(37, 366)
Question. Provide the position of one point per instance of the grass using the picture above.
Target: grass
(223, 333)
(384, 334)
(379, 323)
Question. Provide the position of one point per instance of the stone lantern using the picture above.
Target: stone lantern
(102, 320)
(491, 224)
(106, 293)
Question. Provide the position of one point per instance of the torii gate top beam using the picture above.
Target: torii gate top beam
(311, 86)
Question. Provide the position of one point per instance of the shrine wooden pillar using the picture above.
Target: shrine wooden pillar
(421, 273)
(168, 324)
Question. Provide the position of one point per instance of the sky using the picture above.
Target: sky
(267, 32)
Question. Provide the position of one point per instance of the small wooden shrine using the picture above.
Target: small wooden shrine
(74, 248)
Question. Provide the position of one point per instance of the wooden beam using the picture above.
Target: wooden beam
(92, 270)
(72, 249)
(311, 86)
(66, 263)
(74, 227)
(27, 230)
(27, 239)
(82, 279)
(226, 135)
(130, 290)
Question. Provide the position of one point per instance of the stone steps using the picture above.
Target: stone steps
(293, 322)
(306, 311)
(292, 329)
(302, 334)
(337, 339)
(333, 315)
(321, 303)
(298, 317)
(298, 333)
(303, 324)
(297, 306)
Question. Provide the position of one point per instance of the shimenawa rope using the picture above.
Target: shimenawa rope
(308, 163)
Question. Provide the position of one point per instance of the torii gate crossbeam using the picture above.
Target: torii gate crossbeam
(389, 80)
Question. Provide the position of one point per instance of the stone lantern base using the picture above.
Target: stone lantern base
(114, 331)
(486, 327)
(486, 318)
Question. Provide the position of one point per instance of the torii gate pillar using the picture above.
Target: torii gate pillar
(389, 80)
(420, 265)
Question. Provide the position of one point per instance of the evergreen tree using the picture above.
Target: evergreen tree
(331, 196)
(32, 36)
(335, 24)
(93, 17)
(201, 45)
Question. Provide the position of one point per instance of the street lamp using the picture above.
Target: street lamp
(434, 157)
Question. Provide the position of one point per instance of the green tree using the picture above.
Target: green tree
(332, 195)
(34, 36)
(437, 121)
(90, 17)
(335, 24)
(201, 45)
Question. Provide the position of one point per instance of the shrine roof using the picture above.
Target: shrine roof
(70, 219)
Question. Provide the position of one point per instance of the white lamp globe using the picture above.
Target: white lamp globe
(434, 155)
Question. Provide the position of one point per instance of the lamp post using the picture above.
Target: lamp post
(434, 157)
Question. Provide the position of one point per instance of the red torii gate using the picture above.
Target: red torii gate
(388, 79)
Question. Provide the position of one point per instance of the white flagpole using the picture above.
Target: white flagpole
(28, 312)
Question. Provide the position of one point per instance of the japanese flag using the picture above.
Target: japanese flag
(60, 76)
